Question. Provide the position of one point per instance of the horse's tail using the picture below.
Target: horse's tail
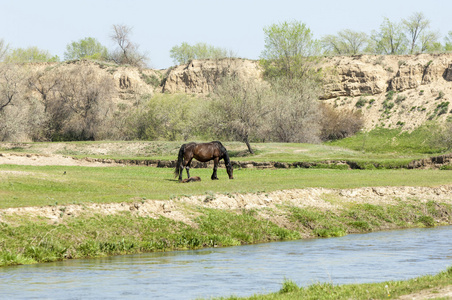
(180, 159)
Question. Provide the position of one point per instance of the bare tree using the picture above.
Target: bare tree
(238, 109)
(19, 115)
(296, 115)
(4, 47)
(81, 103)
(11, 84)
(45, 82)
(127, 51)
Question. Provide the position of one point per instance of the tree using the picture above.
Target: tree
(17, 114)
(296, 115)
(127, 51)
(4, 48)
(415, 26)
(448, 42)
(428, 42)
(346, 42)
(390, 39)
(238, 108)
(164, 116)
(185, 52)
(11, 84)
(290, 50)
(81, 103)
(88, 48)
(30, 54)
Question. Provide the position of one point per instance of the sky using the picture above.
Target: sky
(235, 25)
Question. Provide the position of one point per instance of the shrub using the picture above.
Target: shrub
(361, 102)
(338, 124)
(390, 95)
(400, 98)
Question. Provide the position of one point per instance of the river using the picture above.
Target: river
(241, 270)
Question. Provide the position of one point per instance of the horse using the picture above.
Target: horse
(190, 179)
(202, 152)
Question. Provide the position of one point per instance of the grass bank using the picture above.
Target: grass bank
(29, 238)
(383, 290)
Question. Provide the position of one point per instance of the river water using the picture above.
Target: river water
(241, 271)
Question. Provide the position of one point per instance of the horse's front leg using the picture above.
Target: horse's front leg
(215, 167)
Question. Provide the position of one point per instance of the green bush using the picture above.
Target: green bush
(361, 102)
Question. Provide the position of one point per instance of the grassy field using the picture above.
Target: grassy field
(26, 239)
(50, 185)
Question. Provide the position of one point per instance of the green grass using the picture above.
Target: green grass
(385, 141)
(47, 185)
(35, 240)
(382, 290)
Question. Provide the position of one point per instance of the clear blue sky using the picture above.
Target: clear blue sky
(235, 25)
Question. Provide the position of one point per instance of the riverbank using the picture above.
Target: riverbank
(58, 232)
(424, 287)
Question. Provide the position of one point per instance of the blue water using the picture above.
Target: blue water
(241, 271)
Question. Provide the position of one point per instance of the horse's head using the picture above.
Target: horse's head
(229, 170)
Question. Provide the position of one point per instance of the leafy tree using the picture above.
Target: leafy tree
(448, 42)
(30, 54)
(164, 116)
(346, 42)
(428, 42)
(415, 26)
(88, 48)
(290, 50)
(390, 39)
(185, 52)
(127, 51)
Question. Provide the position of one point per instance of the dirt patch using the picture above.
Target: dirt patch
(49, 160)
(435, 293)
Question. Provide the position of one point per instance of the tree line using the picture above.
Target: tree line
(71, 102)
(408, 36)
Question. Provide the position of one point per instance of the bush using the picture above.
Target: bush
(361, 102)
(164, 116)
(338, 124)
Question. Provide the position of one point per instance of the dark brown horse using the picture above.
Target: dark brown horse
(202, 152)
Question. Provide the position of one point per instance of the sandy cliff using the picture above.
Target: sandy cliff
(420, 85)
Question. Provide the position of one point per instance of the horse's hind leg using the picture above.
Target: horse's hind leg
(215, 167)
(187, 167)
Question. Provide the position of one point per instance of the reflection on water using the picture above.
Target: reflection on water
(242, 271)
